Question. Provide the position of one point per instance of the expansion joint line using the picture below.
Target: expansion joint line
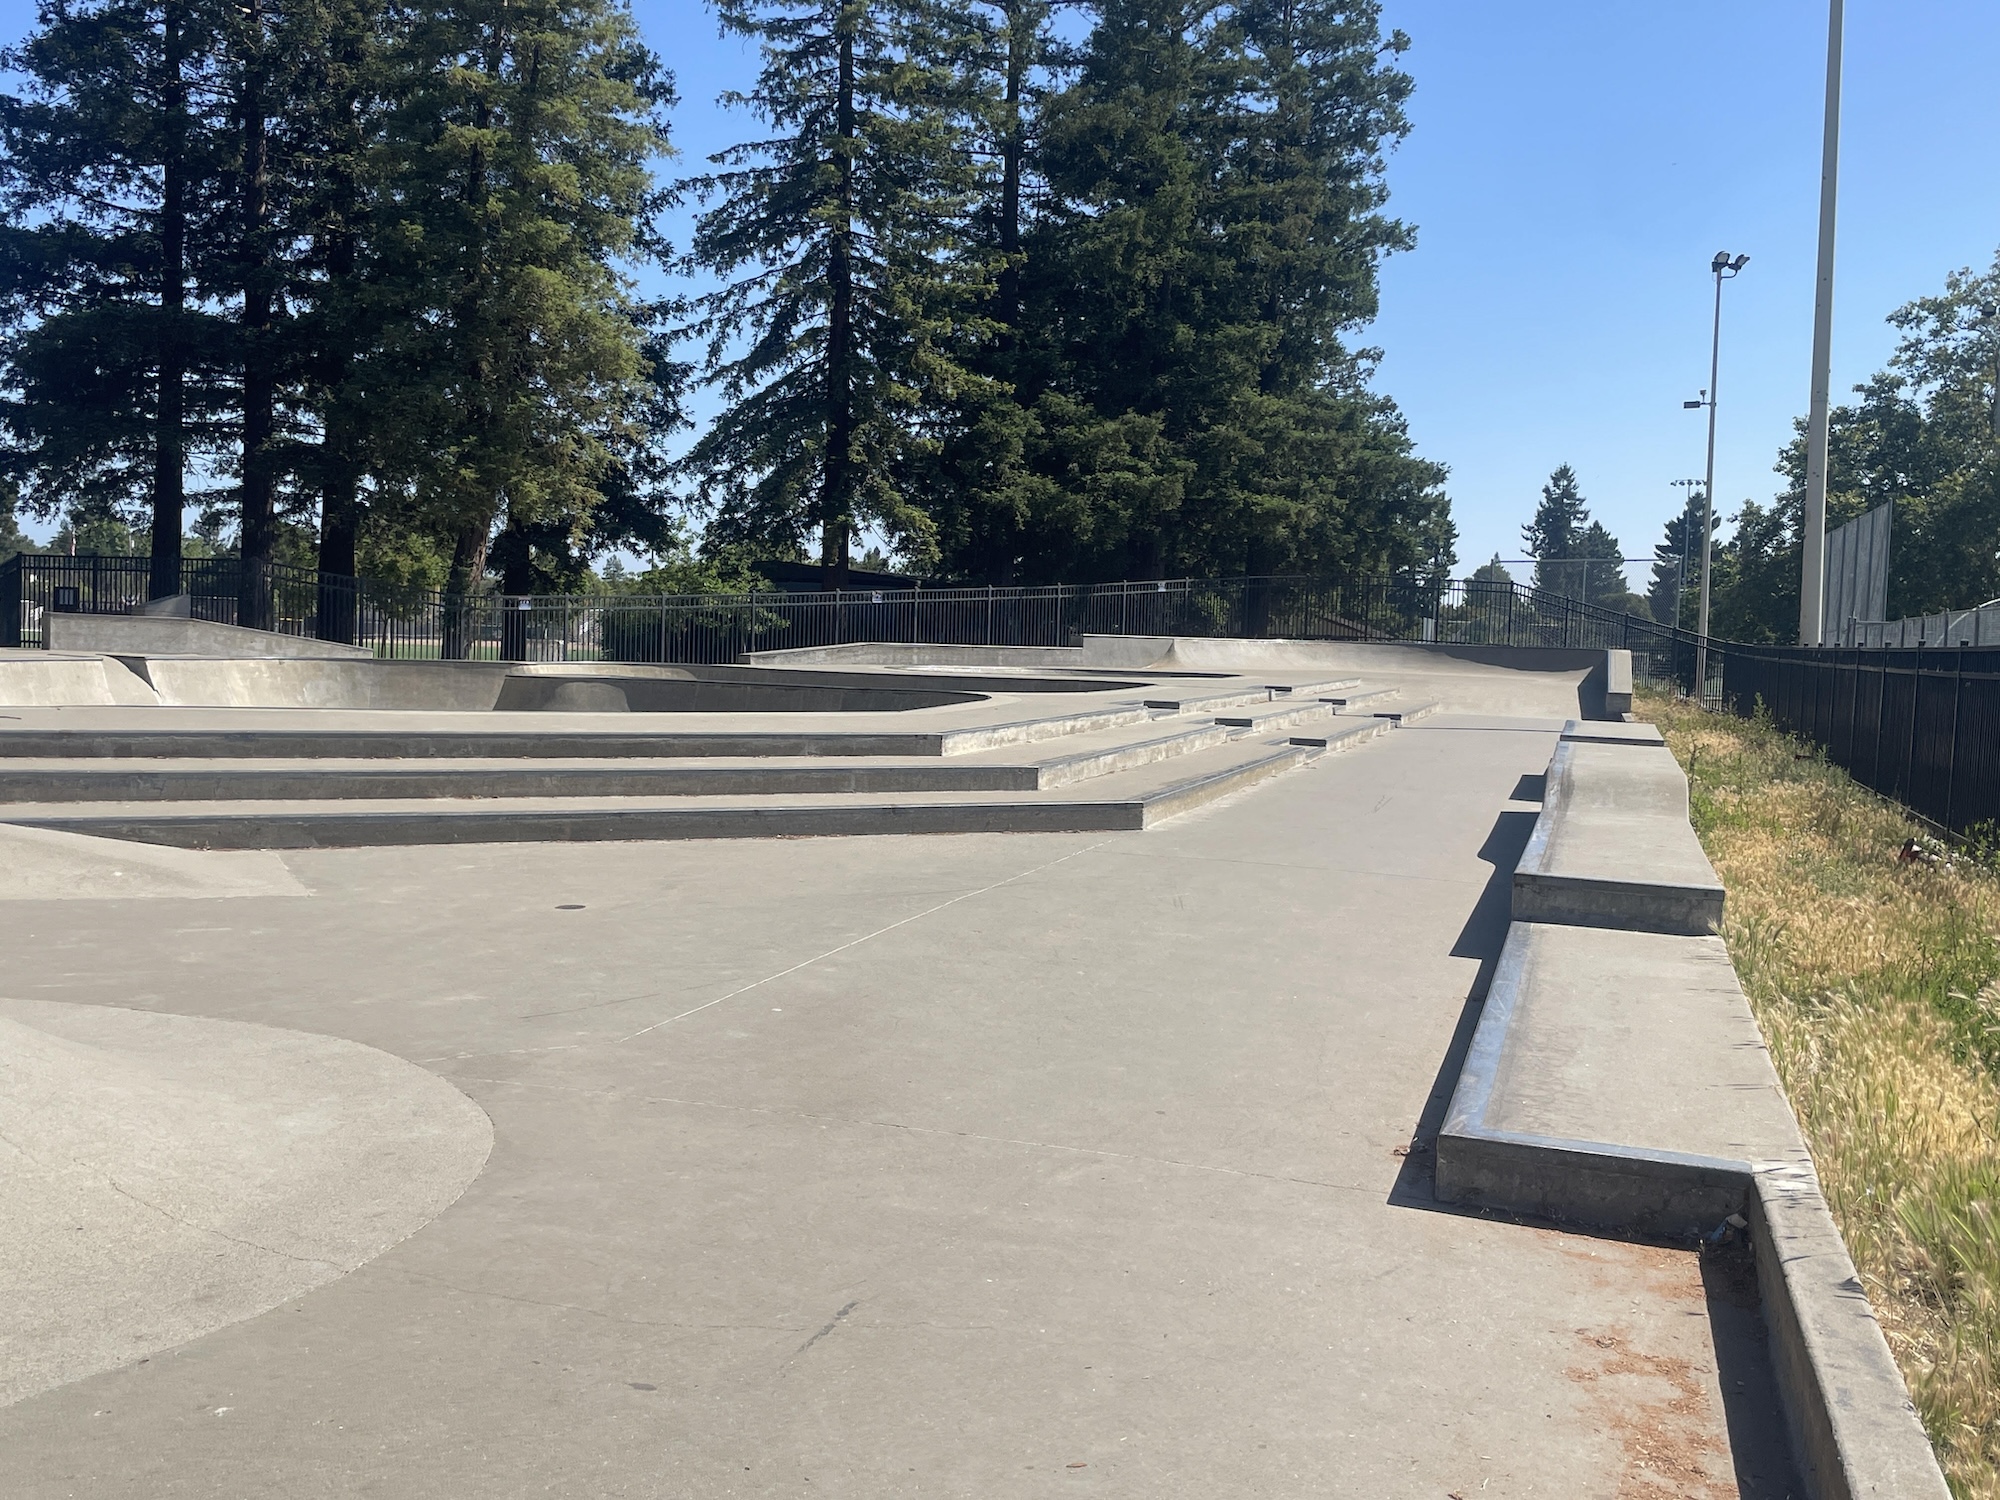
(867, 937)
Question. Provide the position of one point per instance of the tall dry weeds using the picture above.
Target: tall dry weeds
(1877, 983)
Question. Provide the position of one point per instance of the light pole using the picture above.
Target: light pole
(1812, 576)
(1725, 269)
(1687, 542)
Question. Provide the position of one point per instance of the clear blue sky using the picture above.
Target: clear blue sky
(1574, 165)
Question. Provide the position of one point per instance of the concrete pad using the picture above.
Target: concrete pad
(166, 1176)
(1612, 846)
(913, 1167)
(169, 635)
(42, 864)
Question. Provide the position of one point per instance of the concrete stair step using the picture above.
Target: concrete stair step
(1213, 703)
(1131, 800)
(1281, 716)
(1348, 702)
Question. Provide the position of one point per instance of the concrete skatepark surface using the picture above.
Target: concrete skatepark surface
(978, 1164)
(972, 1166)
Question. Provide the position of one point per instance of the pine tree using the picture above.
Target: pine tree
(112, 181)
(515, 154)
(1555, 536)
(1677, 564)
(837, 236)
(1208, 228)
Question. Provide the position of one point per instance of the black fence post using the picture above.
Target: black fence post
(1951, 762)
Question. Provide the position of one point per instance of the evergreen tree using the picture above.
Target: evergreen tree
(1209, 225)
(515, 157)
(1554, 537)
(113, 174)
(837, 235)
(1677, 565)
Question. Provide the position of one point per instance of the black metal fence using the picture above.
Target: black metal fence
(1921, 726)
(421, 623)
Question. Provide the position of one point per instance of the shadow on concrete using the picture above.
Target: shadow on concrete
(1531, 788)
(1482, 937)
(1759, 1442)
(1485, 929)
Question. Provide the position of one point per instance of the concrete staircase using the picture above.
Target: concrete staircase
(1095, 768)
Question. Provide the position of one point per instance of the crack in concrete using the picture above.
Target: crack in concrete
(166, 1213)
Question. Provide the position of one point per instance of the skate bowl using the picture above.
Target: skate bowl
(47, 679)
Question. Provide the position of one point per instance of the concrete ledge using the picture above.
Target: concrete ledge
(1612, 846)
(1593, 732)
(1028, 731)
(169, 635)
(1641, 1140)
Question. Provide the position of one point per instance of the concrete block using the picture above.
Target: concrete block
(1612, 846)
(1617, 683)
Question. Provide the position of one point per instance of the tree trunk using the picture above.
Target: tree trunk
(260, 386)
(837, 496)
(341, 465)
(468, 566)
(517, 583)
(170, 439)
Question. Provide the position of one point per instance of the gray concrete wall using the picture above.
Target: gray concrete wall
(167, 635)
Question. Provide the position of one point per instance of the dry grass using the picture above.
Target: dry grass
(1877, 983)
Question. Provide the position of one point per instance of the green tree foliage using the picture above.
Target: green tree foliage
(1925, 434)
(516, 156)
(835, 235)
(115, 161)
(1206, 225)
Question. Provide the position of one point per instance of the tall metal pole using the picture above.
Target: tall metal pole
(1812, 578)
(1708, 489)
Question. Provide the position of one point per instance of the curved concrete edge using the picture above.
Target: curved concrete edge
(1855, 1433)
(42, 679)
(167, 1176)
(45, 864)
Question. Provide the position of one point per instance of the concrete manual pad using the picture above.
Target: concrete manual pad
(165, 1176)
(984, 1166)
(1613, 847)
